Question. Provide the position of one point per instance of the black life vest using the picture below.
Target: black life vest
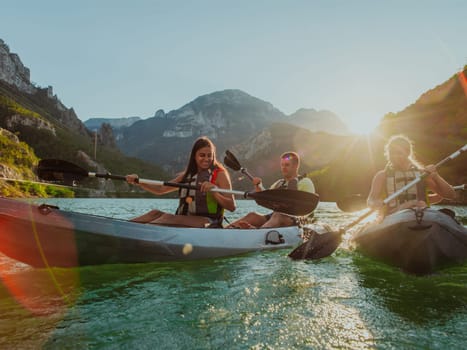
(195, 202)
(291, 184)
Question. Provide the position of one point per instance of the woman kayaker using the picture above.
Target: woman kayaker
(289, 163)
(402, 168)
(197, 208)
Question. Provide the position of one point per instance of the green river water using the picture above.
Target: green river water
(255, 301)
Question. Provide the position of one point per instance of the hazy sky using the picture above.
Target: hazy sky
(359, 59)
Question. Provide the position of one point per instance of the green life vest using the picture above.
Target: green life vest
(195, 202)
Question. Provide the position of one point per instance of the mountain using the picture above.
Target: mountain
(12, 70)
(39, 119)
(227, 117)
(314, 120)
(253, 129)
(116, 123)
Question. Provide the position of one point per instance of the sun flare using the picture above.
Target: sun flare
(363, 126)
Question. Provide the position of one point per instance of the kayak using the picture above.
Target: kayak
(417, 243)
(45, 236)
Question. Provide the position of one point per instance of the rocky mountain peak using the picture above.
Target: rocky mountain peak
(13, 71)
(324, 121)
(159, 113)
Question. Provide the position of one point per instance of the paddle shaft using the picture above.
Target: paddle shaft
(406, 187)
(293, 202)
(233, 163)
(244, 171)
(168, 183)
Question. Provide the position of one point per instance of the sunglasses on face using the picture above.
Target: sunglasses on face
(289, 156)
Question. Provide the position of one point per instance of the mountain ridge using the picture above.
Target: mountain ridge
(255, 129)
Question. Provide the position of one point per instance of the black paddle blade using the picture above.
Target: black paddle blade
(231, 161)
(59, 170)
(352, 203)
(317, 246)
(290, 202)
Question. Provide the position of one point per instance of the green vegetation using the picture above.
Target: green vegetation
(33, 189)
(16, 155)
(21, 151)
(17, 161)
(9, 106)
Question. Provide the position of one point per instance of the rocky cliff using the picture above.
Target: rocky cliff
(15, 74)
(13, 71)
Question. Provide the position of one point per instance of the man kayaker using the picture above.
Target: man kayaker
(289, 164)
(402, 168)
(197, 208)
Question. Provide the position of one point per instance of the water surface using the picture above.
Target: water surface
(256, 301)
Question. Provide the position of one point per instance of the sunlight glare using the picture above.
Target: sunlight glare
(463, 81)
(362, 125)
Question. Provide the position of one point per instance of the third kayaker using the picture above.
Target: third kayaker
(402, 168)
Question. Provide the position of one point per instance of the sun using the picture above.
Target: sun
(362, 126)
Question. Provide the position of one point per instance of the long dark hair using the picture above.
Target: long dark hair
(192, 168)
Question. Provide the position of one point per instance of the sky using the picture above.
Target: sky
(359, 59)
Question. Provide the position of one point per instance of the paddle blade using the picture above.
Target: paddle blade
(59, 170)
(290, 202)
(352, 203)
(318, 246)
(231, 161)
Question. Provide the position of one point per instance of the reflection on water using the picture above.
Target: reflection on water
(256, 301)
(419, 300)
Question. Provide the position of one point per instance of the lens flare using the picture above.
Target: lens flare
(34, 236)
(463, 81)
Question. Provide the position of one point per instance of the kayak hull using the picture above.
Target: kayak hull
(416, 246)
(44, 236)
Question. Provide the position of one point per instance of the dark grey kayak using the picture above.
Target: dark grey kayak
(418, 245)
(44, 236)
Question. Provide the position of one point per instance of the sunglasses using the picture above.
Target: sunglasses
(289, 156)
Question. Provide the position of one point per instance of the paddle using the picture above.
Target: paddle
(351, 203)
(232, 162)
(322, 245)
(357, 202)
(286, 201)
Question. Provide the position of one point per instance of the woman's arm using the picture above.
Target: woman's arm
(226, 201)
(439, 185)
(374, 200)
(156, 189)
